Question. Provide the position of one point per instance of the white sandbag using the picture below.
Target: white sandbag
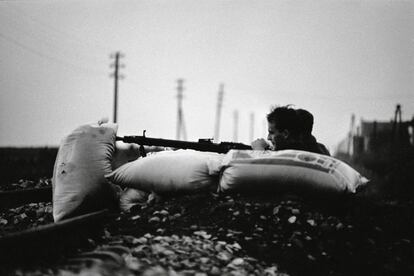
(287, 171)
(78, 182)
(182, 171)
(131, 197)
(125, 152)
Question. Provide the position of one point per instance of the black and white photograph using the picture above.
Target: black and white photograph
(208, 137)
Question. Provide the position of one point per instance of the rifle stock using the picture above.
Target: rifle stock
(201, 145)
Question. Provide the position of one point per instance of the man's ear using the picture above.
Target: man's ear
(285, 133)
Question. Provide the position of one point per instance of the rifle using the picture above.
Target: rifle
(201, 145)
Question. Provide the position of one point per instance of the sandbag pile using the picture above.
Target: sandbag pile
(189, 171)
(287, 171)
(78, 182)
(83, 174)
(125, 153)
(131, 197)
(181, 171)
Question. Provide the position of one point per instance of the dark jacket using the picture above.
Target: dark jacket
(310, 144)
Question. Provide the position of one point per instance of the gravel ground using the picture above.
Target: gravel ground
(25, 217)
(26, 184)
(211, 234)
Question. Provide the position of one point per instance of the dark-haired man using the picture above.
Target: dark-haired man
(305, 120)
(289, 128)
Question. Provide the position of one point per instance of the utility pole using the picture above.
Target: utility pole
(218, 112)
(251, 127)
(351, 135)
(265, 128)
(397, 125)
(180, 116)
(235, 125)
(116, 77)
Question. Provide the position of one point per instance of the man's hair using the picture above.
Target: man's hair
(284, 117)
(305, 119)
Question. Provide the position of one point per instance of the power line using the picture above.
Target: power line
(68, 36)
(42, 55)
(39, 36)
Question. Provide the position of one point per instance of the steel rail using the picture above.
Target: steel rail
(10, 199)
(52, 240)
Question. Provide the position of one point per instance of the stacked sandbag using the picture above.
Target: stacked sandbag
(287, 171)
(181, 171)
(131, 197)
(78, 182)
(125, 153)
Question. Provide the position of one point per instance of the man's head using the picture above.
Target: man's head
(305, 119)
(283, 126)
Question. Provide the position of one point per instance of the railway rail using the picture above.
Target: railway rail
(217, 235)
(48, 241)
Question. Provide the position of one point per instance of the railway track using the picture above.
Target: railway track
(104, 243)
(46, 242)
(216, 235)
(10, 199)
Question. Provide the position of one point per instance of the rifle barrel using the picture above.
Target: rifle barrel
(200, 146)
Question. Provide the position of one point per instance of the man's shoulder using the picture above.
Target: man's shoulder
(323, 149)
(315, 146)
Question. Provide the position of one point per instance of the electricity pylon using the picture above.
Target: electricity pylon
(180, 116)
(116, 77)
(218, 113)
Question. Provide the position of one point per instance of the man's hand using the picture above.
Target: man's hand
(260, 144)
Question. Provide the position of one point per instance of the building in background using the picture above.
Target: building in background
(377, 138)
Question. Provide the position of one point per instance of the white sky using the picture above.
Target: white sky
(333, 58)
